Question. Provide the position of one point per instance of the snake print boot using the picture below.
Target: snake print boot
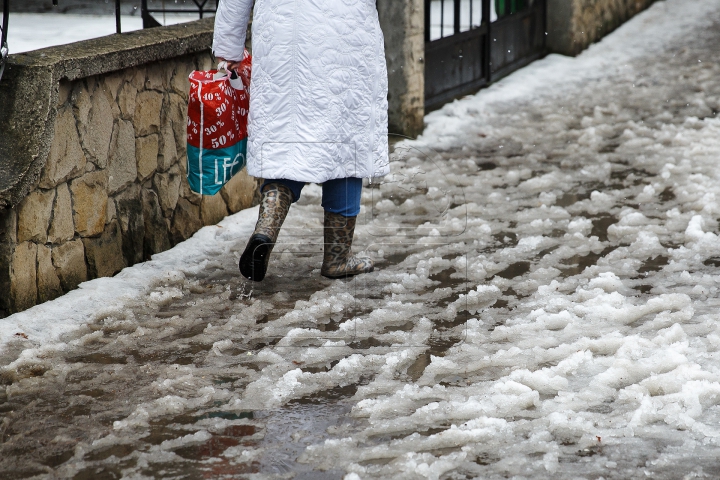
(274, 206)
(338, 261)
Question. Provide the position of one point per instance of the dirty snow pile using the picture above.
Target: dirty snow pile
(545, 304)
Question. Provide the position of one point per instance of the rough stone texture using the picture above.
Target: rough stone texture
(126, 100)
(148, 107)
(111, 83)
(62, 227)
(89, 198)
(168, 188)
(96, 127)
(122, 167)
(186, 221)
(34, 216)
(105, 254)
(168, 151)
(155, 78)
(157, 238)
(129, 208)
(178, 113)
(48, 282)
(574, 24)
(23, 274)
(66, 158)
(240, 191)
(146, 155)
(213, 209)
(403, 24)
(69, 261)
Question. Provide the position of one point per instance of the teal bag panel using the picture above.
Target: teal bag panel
(209, 169)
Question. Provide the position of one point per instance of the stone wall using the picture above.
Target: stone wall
(403, 24)
(575, 24)
(111, 188)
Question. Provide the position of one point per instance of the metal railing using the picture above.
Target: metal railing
(149, 21)
(146, 13)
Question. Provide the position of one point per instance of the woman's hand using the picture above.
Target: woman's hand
(230, 64)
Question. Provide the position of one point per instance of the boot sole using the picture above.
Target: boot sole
(345, 275)
(253, 262)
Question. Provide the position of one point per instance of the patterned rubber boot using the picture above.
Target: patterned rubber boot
(338, 261)
(274, 207)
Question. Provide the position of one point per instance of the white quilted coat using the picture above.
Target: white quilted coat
(318, 97)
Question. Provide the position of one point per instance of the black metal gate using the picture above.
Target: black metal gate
(471, 43)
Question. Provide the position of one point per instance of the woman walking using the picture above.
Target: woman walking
(318, 114)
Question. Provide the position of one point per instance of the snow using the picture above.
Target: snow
(32, 31)
(542, 310)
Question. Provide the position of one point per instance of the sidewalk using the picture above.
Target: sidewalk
(545, 303)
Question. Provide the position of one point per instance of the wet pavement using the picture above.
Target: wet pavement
(545, 306)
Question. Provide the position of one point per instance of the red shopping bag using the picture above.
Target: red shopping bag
(217, 126)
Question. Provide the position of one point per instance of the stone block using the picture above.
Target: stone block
(66, 159)
(89, 199)
(240, 191)
(168, 188)
(81, 99)
(156, 229)
(23, 277)
(62, 227)
(148, 107)
(180, 82)
(138, 78)
(69, 261)
(48, 282)
(168, 150)
(187, 193)
(104, 253)
(177, 113)
(126, 100)
(186, 221)
(146, 155)
(122, 168)
(155, 77)
(213, 209)
(111, 213)
(34, 216)
(96, 131)
(129, 210)
(112, 82)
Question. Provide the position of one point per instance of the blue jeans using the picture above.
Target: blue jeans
(341, 196)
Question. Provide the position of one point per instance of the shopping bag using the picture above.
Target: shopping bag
(217, 126)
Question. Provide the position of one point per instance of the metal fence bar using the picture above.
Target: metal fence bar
(428, 25)
(456, 19)
(487, 57)
(118, 28)
(3, 36)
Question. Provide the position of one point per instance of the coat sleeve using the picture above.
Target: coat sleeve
(231, 22)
